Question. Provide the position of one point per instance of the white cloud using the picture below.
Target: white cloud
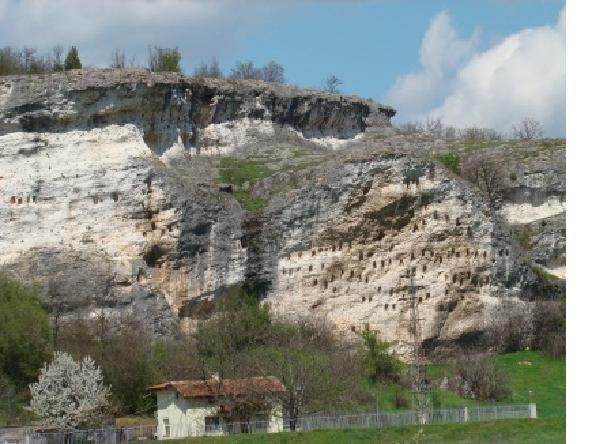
(523, 75)
(441, 52)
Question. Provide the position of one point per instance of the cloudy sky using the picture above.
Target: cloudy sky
(486, 63)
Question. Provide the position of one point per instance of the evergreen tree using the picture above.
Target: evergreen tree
(72, 61)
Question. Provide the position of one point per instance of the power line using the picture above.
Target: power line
(421, 386)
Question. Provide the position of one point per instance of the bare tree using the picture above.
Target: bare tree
(58, 305)
(245, 70)
(527, 128)
(211, 69)
(482, 378)
(311, 364)
(57, 61)
(486, 174)
(118, 59)
(434, 126)
(273, 72)
(331, 84)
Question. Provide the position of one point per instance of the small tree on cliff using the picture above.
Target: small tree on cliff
(72, 60)
(69, 393)
(332, 84)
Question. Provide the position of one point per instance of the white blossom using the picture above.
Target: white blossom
(69, 393)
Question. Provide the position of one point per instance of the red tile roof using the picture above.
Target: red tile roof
(223, 387)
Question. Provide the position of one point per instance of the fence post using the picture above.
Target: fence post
(532, 411)
(466, 414)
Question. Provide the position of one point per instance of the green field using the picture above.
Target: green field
(532, 377)
(535, 431)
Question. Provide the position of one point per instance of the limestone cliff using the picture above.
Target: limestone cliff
(150, 194)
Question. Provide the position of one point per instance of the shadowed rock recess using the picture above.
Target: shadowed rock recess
(152, 194)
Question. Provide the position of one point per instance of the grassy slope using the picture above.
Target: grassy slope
(541, 431)
(545, 378)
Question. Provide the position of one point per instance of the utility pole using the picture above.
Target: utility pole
(421, 387)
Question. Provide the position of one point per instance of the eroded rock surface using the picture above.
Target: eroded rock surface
(113, 183)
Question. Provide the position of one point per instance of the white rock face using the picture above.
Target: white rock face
(525, 212)
(356, 279)
(226, 138)
(73, 189)
(557, 271)
(89, 192)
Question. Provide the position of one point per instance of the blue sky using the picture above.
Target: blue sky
(469, 62)
(369, 44)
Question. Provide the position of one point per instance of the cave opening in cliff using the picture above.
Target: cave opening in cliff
(153, 255)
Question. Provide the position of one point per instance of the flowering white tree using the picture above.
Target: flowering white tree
(69, 393)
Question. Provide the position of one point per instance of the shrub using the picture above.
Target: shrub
(525, 238)
(245, 71)
(482, 378)
(450, 161)
(401, 401)
(379, 363)
(549, 328)
(25, 61)
(72, 60)
(25, 338)
(527, 128)
(516, 333)
(211, 69)
(272, 72)
(164, 59)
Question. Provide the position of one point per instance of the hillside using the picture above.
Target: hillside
(151, 194)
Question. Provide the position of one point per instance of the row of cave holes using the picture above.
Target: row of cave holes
(96, 199)
(384, 262)
(447, 219)
(114, 197)
(19, 200)
(339, 247)
(460, 278)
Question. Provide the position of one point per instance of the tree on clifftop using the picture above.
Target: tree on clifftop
(527, 128)
(72, 60)
(332, 83)
(164, 59)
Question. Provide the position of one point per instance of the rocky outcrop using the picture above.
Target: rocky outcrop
(202, 115)
(112, 186)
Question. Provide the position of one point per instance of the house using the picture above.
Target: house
(219, 406)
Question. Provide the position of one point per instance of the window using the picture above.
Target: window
(212, 424)
(167, 427)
